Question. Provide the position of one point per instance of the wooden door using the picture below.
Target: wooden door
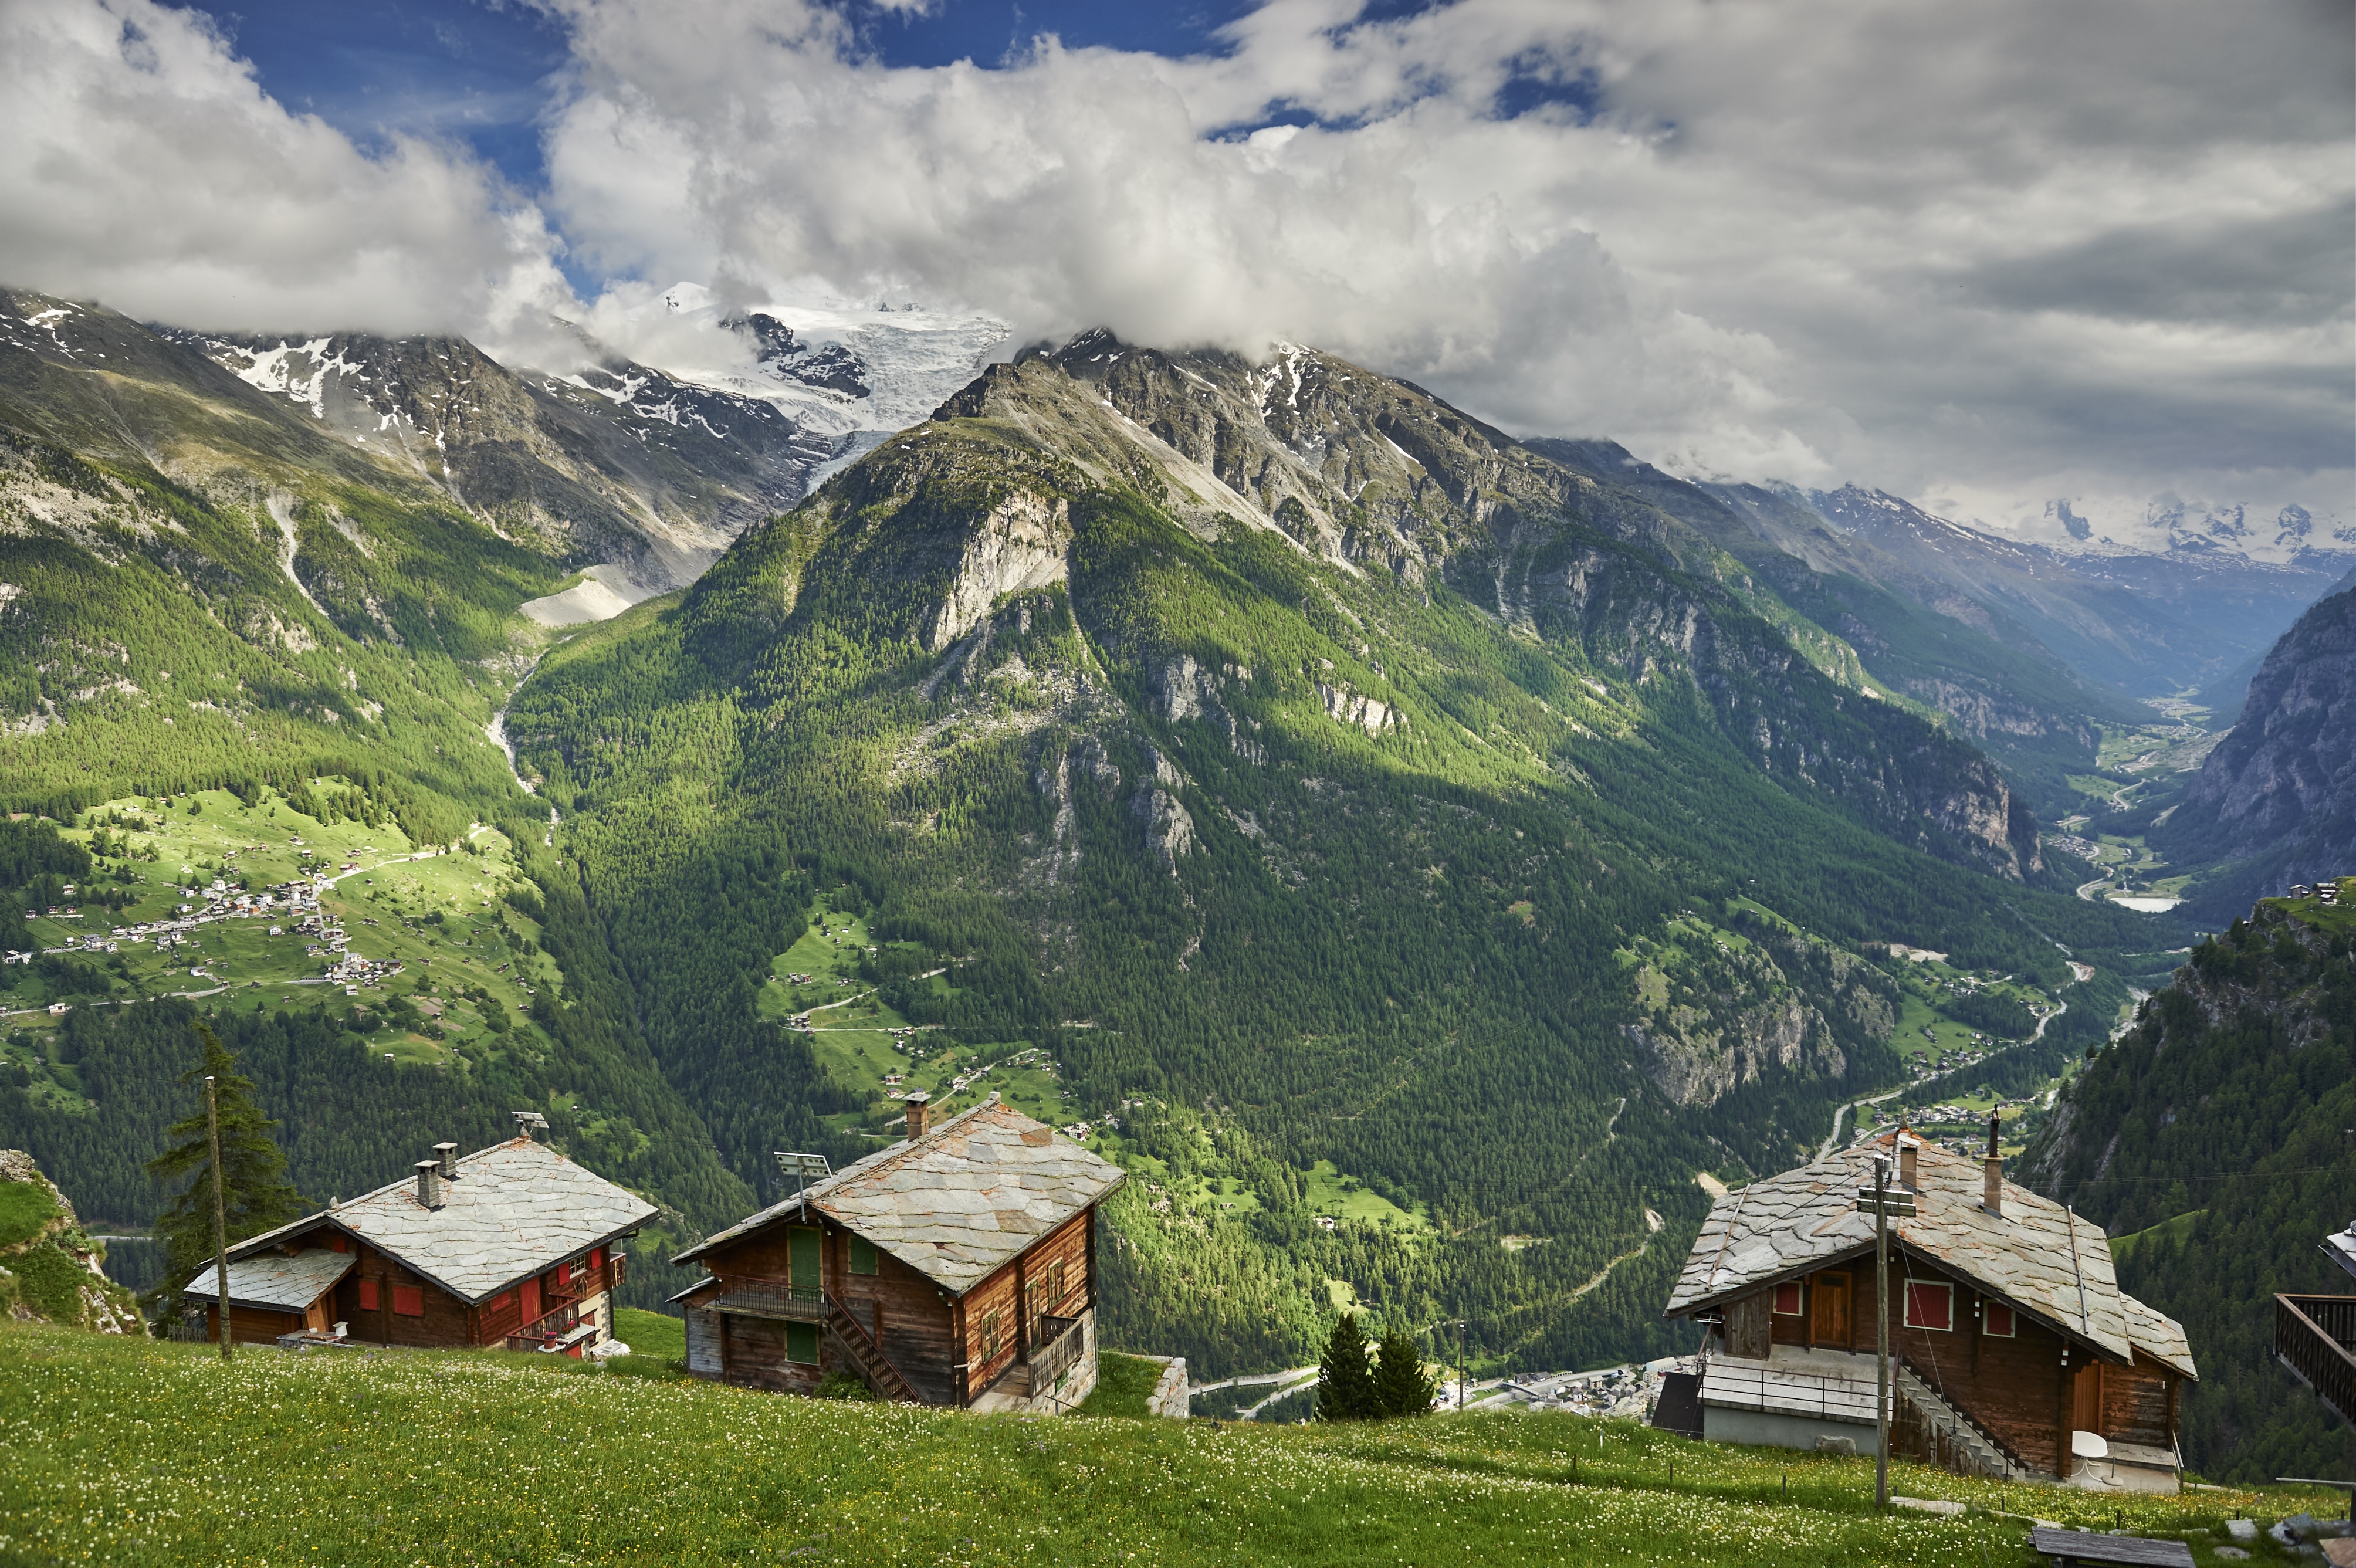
(1828, 1310)
(530, 1290)
(802, 1252)
(1748, 1330)
(2087, 1399)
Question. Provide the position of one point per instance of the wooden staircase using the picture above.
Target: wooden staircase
(1952, 1436)
(867, 1355)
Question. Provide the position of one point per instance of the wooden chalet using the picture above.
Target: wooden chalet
(514, 1245)
(955, 1268)
(2013, 1351)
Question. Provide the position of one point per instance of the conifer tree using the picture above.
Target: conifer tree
(1401, 1385)
(260, 1198)
(1346, 1384)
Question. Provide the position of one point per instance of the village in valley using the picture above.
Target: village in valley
(210, 897)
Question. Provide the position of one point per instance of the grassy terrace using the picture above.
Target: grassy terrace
(115, 1450)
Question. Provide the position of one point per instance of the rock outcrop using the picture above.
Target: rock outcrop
(50, 1271)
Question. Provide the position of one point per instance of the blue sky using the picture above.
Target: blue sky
(479, 73)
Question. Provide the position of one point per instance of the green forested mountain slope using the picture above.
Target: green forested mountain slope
(2213, 1133)
(1331, 787)
(204, 597)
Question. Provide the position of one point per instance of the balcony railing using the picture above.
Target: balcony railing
(1058, 1346)
(2314, 1337)
(772, 1298)
(546, 1332)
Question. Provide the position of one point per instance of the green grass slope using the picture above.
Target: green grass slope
(142, 1452)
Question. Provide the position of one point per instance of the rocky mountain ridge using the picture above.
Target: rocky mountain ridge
(2276, 797)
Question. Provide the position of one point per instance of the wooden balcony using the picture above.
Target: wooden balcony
(772, 1298)
(2315, 1338)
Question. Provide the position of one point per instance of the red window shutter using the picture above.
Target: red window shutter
(564, 1274)
(499, 1302)
(1787, 1299)
(368, 1296)
(596, 1259)
(1999, 1321)
(1927, 1305)
(409, 1300)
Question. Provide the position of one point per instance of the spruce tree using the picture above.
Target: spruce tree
(1401, 1385)
(260, 1198)
(1345, 1384)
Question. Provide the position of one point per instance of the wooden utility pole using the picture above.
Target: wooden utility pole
(221, 1215)
(1881, 1333)
(1882, 1203)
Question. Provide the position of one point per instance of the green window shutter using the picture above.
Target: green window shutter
(863, 1255)
(801, 1343)
(801, 1254)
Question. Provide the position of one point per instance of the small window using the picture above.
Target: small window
(801, 1343)
(1930, 1306)
(368, 1296)
(863, 1255)
(1787, 1299)
(1996, 1321)
(409, 1300)
(990, 1320)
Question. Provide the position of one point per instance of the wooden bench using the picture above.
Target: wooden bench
(2069, 1548)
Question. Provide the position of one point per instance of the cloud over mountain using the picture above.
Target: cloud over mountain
(1984, 255)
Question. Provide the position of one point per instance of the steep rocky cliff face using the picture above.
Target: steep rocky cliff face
(2278, 796)
(49, 1269)
(1372, 476)
(1711, 1018)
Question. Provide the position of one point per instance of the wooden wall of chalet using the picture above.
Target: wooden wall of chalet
(941, 1346)
(2016, 1387)
(994, 1311)
(250, 1325)
(910, 1318)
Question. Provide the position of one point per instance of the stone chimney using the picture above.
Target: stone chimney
(1992, 1176)
(1907, 1145)
(429, 1184)
(446, 1157)
(919, 1108)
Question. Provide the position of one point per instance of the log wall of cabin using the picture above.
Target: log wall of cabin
(1004, 1293)
(909, 1314)
(250, 1325)
(2135, 1403)
(2019, 1388)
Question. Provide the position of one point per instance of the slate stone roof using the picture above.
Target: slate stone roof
(2037, 1256)
(274, 1280)
(959, 1202)
(517, 1209)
